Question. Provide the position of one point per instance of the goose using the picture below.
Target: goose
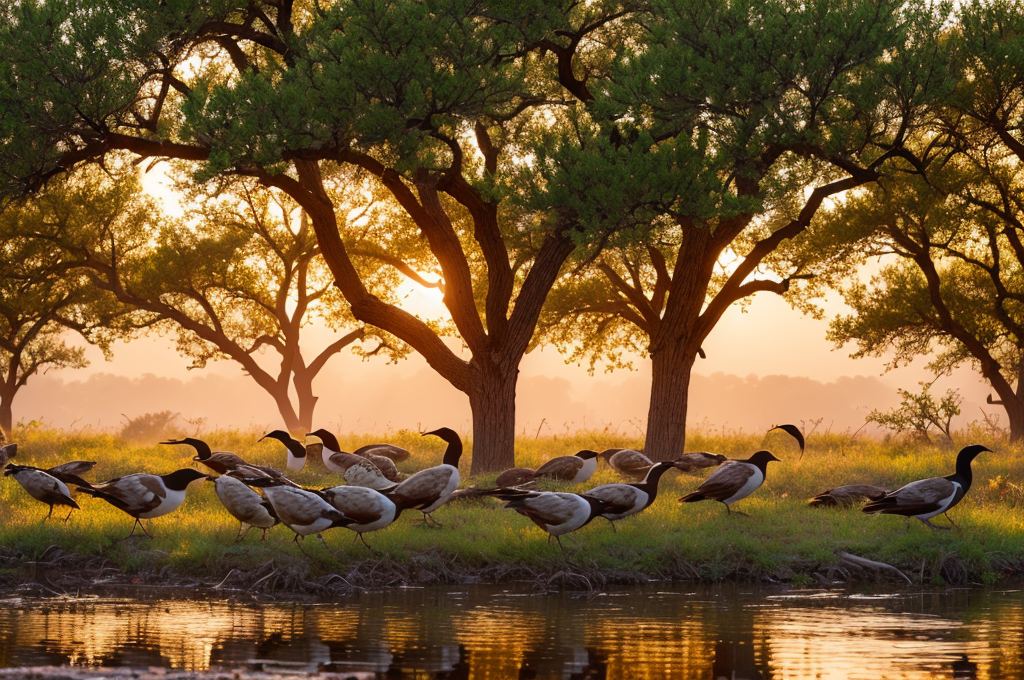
(369, 510)
(396, 453)
(794, 432)
(427, 490)
(626, 500)
(331, 446)
(576, 469)
(927, 498)
(556, 512)
(296, 450)
(688, 462)
(845, 496)
(223, 462)
(7, 452)
(630, 463)
(734, 481)
(66, 472)
(145, 496)
(303, 511)
(356, 470)
(515, 477)
(42, 486)
(245, 505)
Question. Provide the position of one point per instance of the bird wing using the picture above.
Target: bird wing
(395, 453)
(361, 472)
(297, 506)
(847, 495)
(43, 487)
(138, 493)
(421, 489)
(74, 467)
(562, 467)
(619, 497)
(916, 498)
(386, 466)
(630, 462)
(241, 501)
(363, 506)
(726, 480)
(697, 461)
(515, 477)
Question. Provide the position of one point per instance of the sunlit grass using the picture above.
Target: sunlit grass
(782, 536)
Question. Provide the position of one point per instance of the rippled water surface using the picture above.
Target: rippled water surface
(495, 632)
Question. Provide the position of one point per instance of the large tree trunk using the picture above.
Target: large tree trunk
(1015, 415)
(6, 415)
(307, 403)
(286, 408)
(493, 403)
(671, 367)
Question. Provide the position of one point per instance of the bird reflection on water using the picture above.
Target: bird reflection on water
(495, 632)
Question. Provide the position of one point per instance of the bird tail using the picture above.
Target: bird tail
(880, 505)
(693, 498)
(823, 500)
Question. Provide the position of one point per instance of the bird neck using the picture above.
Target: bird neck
(295, 447)
(453, 453)
(650, 483)
(203, 450)
(329, 440)
(963, 472)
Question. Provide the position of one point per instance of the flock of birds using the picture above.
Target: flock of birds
(375, 494)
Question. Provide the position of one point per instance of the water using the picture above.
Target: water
(500, 632)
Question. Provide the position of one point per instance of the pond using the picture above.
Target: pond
(510, 632)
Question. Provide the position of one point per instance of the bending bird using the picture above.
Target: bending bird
(296, 459)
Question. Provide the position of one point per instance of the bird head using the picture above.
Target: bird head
(203, 450)
(279, 435)
(587, 454)
(182, 479)
(762, 458)
(327, 439)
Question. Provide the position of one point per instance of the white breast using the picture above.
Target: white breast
(943, 504)
(295, 463)
(453, 484)
(170, 503)
(588, 469)
(326, 454)
(753, 484)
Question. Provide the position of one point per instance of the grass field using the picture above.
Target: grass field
(782, 539)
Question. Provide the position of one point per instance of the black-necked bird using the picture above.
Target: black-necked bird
(846, 496)
(296, 450)
(356, 470)
(626, 500)
(42, 486)
(303, 511)
(733, 481)
(223, 462)
(927, 498)
(341, 464)
(576, 469)
(427, 490)
(145, 496)
(245, 505)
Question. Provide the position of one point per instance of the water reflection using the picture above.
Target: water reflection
(490, 632)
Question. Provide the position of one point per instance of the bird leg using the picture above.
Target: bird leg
(946, 515)
(265, 534)
(612, 522)
(66, 519)
(139, 524)
(368, 546)
(324, 542)
(933, 526)
(242, 534)
(433, 522)
(299, 543)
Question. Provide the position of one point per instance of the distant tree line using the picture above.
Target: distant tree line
(605, 177)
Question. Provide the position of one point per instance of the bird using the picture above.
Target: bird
(795, 433)
(576, 469)
(42, 486)
(395, 453)
(927, 498)
(331, 446)
(245, 505)
(427, 490)
(626, 500)
(515, 477)
(556, 512)
(356, 470)
(369, 510)
(145, 496)
(689, 462)
(734, 481)
(7, 452)
(296, 450)
(845, 496)
(302, 510)
(223, 462)
(630, 463)
(68, 473)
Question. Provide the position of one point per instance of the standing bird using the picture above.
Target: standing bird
(794, 432)
(576, 469)
(427, 490)
(356, 470)
(845, 496)
(145, 496)
(42, 486)
(331, 447)
(296, 450)
(223, 462)
(626, 500)
(927, 498)
(395, 453)
(245, 505)
(734, 481)
(304, 512)
(368, 510)
(558, 513)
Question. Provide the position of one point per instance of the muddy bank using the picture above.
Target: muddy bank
(57, 572)
(65, 673)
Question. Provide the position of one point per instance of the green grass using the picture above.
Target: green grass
(783, 538)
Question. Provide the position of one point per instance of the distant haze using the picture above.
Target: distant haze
(764, 367)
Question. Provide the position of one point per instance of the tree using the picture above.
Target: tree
(920, 413)
(39, 302)
(445, 104)
(955, 223)
(239, 273)
(741, 120)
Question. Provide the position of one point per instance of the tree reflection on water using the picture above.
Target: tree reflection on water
(494, 632)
